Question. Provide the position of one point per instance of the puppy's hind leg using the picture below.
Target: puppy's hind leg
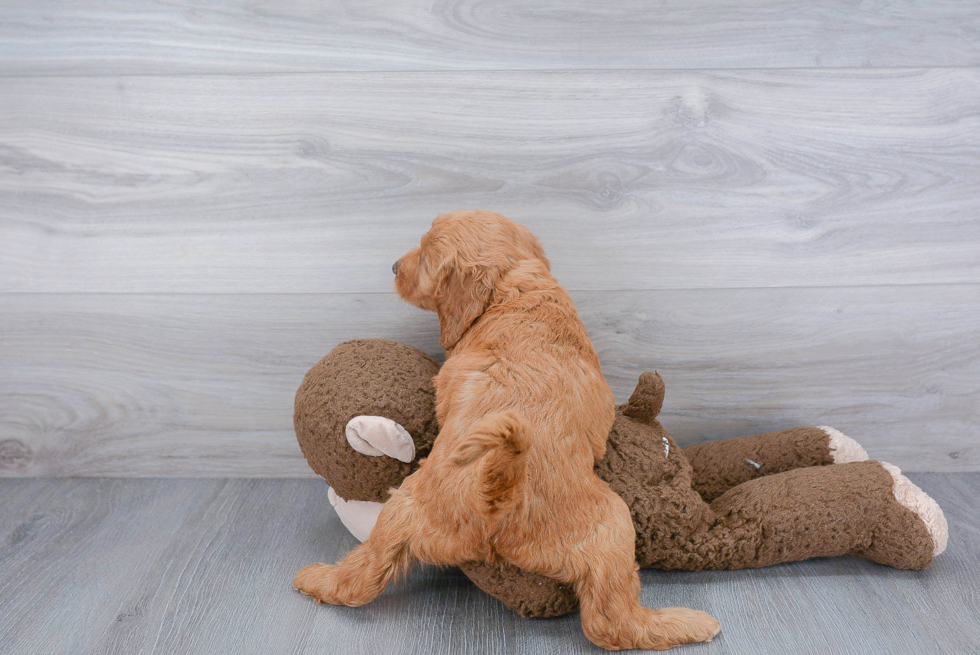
(361, 576)
(608, 587)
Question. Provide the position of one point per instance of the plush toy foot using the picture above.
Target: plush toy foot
(910, 529)
(927, 509)
(843, 449)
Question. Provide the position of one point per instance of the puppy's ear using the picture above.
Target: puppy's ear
(461, 297)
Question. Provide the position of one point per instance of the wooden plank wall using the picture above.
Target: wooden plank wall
(776, 205)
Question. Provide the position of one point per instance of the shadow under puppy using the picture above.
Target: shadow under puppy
(524, 413)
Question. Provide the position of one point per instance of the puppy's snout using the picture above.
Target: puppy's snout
(394, 267)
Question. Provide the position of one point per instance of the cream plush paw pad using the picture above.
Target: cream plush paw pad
(915, 499)
(843, 448)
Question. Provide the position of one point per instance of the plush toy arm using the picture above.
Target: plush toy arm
(720, 465)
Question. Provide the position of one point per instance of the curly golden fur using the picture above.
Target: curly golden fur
(524, 412)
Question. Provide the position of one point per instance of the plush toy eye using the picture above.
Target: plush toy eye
(378, 435)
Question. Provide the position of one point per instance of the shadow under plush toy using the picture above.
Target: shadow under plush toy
(365, 416)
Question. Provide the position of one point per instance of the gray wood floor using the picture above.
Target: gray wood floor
(204, 566)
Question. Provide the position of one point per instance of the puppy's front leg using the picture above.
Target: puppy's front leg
(361, 576)
(604, 570)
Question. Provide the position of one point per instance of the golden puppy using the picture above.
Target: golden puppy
(524, 413)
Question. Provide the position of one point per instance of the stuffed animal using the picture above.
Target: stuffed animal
(365, 416)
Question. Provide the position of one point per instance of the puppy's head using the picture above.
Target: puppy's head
(458, 265)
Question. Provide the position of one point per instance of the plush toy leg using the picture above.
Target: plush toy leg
(824, 511)
(721, 465)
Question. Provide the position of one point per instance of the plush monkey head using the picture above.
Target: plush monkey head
(364, 416)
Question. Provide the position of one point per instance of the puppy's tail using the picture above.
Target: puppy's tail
(498, 443)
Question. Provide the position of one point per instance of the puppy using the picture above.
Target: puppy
(524, 413)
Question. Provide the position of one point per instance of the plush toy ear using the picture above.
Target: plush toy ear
(377, 435)
(645, 403)
(460, 299)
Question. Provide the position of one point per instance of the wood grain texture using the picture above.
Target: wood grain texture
(204, 566)
(203, 385)
(291, 36)
(633, 180)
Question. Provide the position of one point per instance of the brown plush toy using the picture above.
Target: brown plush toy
(365, 415)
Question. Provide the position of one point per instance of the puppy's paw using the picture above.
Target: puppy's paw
(316, 581)
(673, 626)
